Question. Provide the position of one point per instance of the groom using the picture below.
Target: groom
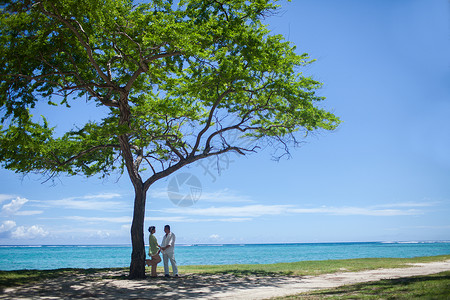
(167, 248)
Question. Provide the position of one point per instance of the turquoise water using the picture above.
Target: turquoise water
(54, 257)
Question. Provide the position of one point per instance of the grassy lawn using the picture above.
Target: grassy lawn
(436, 286)
(12, 278)
(311, 267)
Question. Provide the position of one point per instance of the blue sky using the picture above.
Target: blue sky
(383, 175)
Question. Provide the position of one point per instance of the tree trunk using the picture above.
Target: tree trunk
(137, 266)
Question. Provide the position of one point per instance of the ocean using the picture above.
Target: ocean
(91, 256)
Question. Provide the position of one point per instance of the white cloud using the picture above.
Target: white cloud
(224, 196)
(90, 232)
(233, 211)
(32, 232)
(166, 219)
(4, 197)
(408, 204)
(355, 211)
(100, 219)
(102, 234)
(249, 212)
(428, 227)
(174, 219)
(253, 211)
(29, 212)
(159, 193)
(194, 220)
(90, 202)
(214, 236)
(101, 196)
(233, 220)
(7, 226)
(12, 207)
(221, 196)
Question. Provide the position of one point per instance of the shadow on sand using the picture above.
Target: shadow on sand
(115, 285)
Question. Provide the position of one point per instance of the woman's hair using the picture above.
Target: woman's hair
(151, 228)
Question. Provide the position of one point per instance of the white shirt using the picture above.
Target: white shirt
(168, 239)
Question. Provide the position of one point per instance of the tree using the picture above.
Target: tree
(176, 80)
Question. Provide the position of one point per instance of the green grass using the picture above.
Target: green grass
(436, 286)
(303, 268)
(13, 278)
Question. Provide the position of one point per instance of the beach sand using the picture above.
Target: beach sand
(194, 286)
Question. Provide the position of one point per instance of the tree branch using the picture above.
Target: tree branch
(222, 9)
(208, 122)
(80, 38)
(82, 153)
(143, 67)
(104, 100)
(191, 159)
(175, 150)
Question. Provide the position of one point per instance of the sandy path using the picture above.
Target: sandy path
(205, 287)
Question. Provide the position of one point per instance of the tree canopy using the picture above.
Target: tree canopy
(178, 80)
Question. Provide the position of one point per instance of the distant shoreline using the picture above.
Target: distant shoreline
(232, 244)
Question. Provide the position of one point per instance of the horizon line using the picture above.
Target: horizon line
(232, 244)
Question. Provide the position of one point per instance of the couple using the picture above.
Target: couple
(167, 248)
